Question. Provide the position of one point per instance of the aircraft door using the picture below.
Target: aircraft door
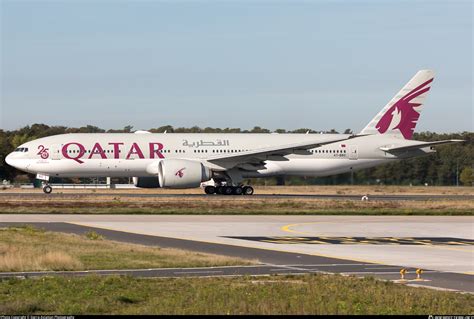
(353, 152)
(56, 152)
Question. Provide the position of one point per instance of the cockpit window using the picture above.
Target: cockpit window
(21, 149)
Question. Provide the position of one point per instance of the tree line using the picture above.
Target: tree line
(450, 165)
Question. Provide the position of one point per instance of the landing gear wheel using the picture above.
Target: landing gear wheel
(210, 190)
(47, 189)
(248, 190)
(228, 190)
(238, 190)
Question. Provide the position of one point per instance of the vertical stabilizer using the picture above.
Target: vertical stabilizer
(400, 115)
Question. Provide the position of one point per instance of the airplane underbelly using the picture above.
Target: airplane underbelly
(313, 167)
(317, 167)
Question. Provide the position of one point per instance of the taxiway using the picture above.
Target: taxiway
(351, 245)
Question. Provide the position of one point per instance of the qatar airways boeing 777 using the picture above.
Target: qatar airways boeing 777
(225, 160)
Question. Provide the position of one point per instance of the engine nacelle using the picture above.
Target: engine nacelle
(146, 182)
(180, 173)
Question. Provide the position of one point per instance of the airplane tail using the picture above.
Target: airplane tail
(400, 115)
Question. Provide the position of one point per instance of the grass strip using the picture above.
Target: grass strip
(304, 294)
(31, 249)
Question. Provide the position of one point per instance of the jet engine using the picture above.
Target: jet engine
(180, 173)
(146, 182)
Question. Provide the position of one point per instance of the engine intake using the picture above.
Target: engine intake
(179, 173)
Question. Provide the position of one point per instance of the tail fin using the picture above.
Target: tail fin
(400, 115)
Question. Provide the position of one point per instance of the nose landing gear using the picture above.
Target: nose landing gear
(47, 189)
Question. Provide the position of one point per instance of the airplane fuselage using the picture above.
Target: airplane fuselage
(129, 154)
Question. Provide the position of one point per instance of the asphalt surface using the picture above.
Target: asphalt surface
(273, 262)
(432, 241)
(422, 197)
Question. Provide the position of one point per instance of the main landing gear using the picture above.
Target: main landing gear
(229, 190)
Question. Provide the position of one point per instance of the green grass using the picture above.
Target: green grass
(29, 249)
(238, 205)
(391, 212)
(305, 294)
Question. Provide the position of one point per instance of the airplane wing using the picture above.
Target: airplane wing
(418, 145)
(274, 153)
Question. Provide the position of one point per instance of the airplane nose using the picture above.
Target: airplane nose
(16, 162)
(9, 160)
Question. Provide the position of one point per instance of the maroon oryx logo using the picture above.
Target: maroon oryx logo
(43, 152)
(406, 110)
(180, 173)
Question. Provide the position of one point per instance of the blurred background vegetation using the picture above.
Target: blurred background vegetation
(450, 165)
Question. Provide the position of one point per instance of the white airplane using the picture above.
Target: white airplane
(225, 160)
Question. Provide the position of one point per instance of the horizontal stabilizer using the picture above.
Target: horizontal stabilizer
(418, 145)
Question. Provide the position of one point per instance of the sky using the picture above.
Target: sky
(276, 64)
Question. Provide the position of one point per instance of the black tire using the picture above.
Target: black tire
(248, 190)
(238, 190)
(210, 190)
(228, 190)
(47, 189)
(220, 190)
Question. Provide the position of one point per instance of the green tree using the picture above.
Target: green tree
(258, 129)
(128, 128)
(467, 176)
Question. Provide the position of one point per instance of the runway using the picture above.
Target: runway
(351, 245)
(420, 197)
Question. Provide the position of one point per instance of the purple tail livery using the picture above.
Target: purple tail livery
(400, 115)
